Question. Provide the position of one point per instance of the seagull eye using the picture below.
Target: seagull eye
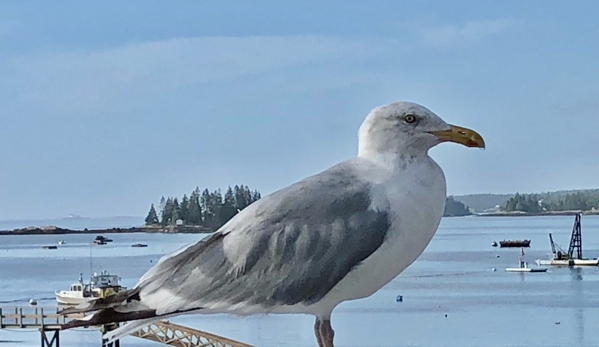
(409, 118)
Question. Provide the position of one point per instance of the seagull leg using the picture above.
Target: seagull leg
(324, 332)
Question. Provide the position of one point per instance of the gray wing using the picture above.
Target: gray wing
(292, 246)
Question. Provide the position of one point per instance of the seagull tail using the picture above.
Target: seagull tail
(120, 307)
(110, 316)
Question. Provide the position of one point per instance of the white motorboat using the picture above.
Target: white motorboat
(100, 285)
(525, 269)
(523, 266)
(78, 293)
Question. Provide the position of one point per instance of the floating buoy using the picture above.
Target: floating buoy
(399, 298)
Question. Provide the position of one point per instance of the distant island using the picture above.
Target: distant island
(204, 211)
(541, 204)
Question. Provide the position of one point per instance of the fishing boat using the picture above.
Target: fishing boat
(100, 286)
(523, 266)
(573, 257)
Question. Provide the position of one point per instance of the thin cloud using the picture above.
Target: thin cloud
(86, 79)
(468, 32)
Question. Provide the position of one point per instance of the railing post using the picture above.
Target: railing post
(106, 328)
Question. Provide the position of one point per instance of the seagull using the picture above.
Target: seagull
(336, 236)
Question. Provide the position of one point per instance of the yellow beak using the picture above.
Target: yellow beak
(464, 136)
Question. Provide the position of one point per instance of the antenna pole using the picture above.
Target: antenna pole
(90, 259)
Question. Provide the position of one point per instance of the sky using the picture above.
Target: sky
(107, 106)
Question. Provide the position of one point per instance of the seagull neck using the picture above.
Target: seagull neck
(393, 160)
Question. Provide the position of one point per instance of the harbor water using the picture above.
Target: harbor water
(450, 296)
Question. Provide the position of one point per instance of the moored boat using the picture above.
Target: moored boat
(525, 269)
(523, 266)
(514, 243)
(101, 240)
(100, 285)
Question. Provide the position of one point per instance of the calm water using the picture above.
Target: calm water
(454, 276)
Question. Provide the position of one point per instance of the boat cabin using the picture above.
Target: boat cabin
(104, 280)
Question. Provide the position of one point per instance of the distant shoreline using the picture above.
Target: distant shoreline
(186, 229)
(526, 214)
(53, 230)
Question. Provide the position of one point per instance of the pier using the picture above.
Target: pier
(47, 321)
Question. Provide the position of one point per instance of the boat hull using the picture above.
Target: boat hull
(514, 243)
(519, 269)
(569, 262)
(71, 300)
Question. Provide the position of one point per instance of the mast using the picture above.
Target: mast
(576, 239)
(90, 259)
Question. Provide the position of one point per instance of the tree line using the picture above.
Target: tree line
(454, 208)
(202, 208)
(535, 203)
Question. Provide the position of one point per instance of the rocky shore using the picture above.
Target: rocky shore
(54, 230)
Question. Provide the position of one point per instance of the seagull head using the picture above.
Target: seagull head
(406, 128)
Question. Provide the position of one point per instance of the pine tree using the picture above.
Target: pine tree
(194, 213)
(229, 197)
(152, 217)
(184, 208)
(256, 196)
(176, 211)
(216, 201)
(162, 203)
(228, 209)
(167, 213)
(207, 210)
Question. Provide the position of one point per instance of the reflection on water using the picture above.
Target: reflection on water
(451, 295)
